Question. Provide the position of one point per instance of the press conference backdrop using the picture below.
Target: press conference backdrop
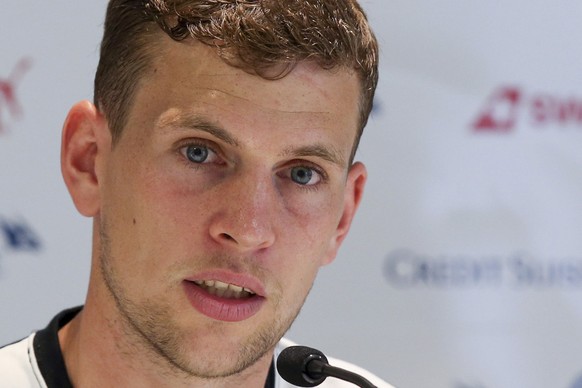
(464, 265)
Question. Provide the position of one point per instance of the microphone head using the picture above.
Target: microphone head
(292, 366)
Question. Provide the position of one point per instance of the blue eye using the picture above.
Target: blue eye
(197, 154)
(304, 175)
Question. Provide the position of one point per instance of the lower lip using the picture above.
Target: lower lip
(222, 309)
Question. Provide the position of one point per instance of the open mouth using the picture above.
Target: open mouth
(225, 301)
(225, 290)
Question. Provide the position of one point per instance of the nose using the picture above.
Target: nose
(245, 212)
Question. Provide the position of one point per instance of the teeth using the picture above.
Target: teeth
(220, 285)
(224, 290)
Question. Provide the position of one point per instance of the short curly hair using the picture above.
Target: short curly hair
(255, 35)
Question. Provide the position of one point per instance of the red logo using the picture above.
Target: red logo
(8, 98)
(500, 112)
(508, 105)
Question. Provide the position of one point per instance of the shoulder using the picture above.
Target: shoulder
(332, 382)
(18, 365)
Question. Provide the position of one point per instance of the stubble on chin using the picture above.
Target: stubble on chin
(150, 329)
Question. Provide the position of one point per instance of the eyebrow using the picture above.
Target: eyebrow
(317, 150)
(201, 124)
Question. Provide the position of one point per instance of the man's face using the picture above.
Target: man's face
(223, 197)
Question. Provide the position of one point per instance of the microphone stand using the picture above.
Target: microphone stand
(318, 368)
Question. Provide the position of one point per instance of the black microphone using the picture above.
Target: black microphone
(307, 367)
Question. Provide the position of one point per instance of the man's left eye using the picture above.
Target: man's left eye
(305, 176)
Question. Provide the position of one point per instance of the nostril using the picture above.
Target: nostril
(227, 236)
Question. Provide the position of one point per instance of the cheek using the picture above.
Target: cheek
(139, 215)
(315, 213)
(170, 212)
(308, 231)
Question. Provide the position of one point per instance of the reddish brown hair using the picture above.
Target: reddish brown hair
(266, 37)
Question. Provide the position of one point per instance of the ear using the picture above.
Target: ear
(354, 191)
(85, 141)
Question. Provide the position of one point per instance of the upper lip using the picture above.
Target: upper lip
(244, 280)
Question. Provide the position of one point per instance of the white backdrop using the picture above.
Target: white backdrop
(464, 265)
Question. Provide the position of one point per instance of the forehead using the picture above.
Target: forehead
(180, 62)
(189, 77)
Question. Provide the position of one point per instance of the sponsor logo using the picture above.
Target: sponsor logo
(17, 236)
(509, 106)
(500, 112)
(10, 108)
(406, 269)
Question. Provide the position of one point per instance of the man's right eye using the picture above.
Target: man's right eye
(198, 153)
